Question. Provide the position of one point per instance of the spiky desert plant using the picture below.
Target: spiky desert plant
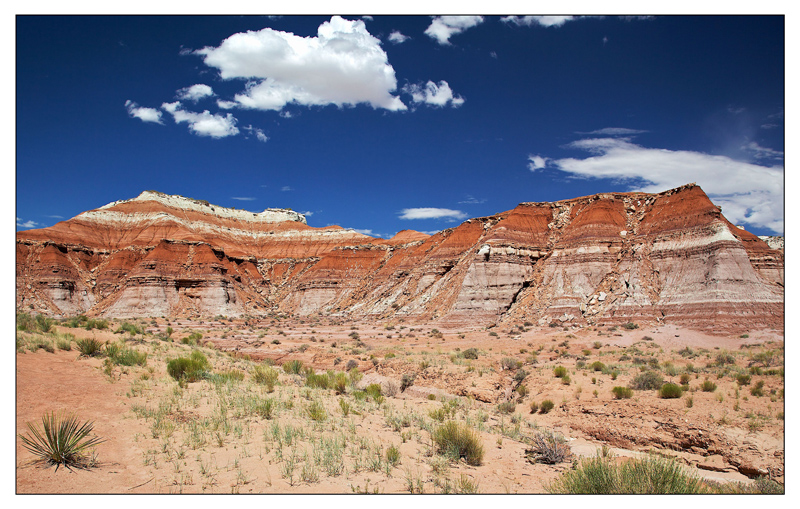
(61, 440)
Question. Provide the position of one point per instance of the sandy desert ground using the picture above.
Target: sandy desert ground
(232, 433)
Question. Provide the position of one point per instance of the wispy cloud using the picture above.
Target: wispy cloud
(55, 217)
(242, 198)
(365, 231)
(287, 188)
(545, 21)
(432, 213)
(614, 131)
(259, 133)
(28, 224)
(444, 27)
(760, 152)
(748, 193)
(142, 113)
(343, 65)
(203, 124)
(471, 200)
(433, 95)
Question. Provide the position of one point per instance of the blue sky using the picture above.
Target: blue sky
(387, 123)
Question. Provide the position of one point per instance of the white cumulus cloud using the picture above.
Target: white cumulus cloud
(748, 193)
(195, 93)
(536, 162)
(545, 21)
(203, 124)
(444, 27)
(343, 65)
(397, 38)
(142, 113)
(433, 94)
(259, 133)
(431, 213)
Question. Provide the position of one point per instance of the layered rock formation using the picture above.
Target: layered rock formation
(607, 258)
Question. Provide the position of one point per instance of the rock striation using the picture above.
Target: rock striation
(607, 258)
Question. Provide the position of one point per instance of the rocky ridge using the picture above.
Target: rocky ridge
(606, 258)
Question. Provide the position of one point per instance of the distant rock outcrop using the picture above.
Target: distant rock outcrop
(607, 258)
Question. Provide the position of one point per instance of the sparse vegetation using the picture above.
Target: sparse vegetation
(457, 440)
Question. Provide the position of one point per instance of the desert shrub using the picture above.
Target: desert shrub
(89, 347)
(757, 389)
(229, 375)
(406, 381)
(390, 388)
(560, 371)
(650, 475)
(338, 382)
(670, 391)
(648, 380)
(566, 380)
(265, 375)
(522, 390)
(130, 328)
(631, 326)
(520, 376)
(373, 391)
(510, 363)
(548, 447)
(65, 343)
(685, 378)
(293, 367)
(189, 369)
(316, 411)
(760, 486)
(470, 353)
(534, 407)
(598, 366)
(61, 440)
(265, 408)
(743, 379)
(622, 392)
(708, 386)
(546, 406)
(507, 407)
(457, 440)
(351, 364)
(317, 381)
(724, 358)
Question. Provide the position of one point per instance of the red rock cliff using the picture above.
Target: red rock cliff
(609, 258)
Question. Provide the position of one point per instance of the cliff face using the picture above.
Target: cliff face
(607, 258)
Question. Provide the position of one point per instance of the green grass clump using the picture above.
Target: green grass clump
(560, 371)
(229, 375)
(598, 366)
(743, 379)
(457, 440)
(393, 455)
(293, 367)
(647, 381)
(265, 408)
(189, 369)
(123, 356)
(89, 347)
(316, 411)
(130, 328)
(650, 475)
(622, 392)
(507, 407)
(670, 391)
(38, 323)
(61, 440)
(708, 386)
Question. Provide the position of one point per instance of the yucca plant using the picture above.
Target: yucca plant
(61, 440)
